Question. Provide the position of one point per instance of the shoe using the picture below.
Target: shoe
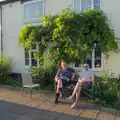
(74, 105)
(69, 98)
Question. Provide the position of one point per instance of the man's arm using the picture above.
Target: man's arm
(74, 74)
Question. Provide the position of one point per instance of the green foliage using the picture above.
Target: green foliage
(72, 35)
(44, 76)
(117, 105)
(105, 91)
(14, 82)
(5, 68)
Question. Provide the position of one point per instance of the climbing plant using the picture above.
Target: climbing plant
(70, 36)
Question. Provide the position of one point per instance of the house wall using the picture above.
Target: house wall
(112, 9)
(13, 22)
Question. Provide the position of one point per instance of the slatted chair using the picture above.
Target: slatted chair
(27, 83)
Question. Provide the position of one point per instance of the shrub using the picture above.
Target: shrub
(117, 105)
(105, 91)
(5, 69)
(14, 80)
(44, 76)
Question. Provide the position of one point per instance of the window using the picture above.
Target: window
(94, 60)
(33, 10)
(84, 5)
(96, 4)
(30, 56)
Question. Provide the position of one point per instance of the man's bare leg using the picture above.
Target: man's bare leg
(77, 98)
(76, 89)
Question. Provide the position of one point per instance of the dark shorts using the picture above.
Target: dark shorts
(87, 85)
(65, 83)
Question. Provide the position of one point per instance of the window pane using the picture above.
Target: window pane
(77, 65)
(26, 61)
(33, 47)
(33, 62)
(96, 4)
(32, 11)
(97, 62)
(85, 5)
(97, 7)
(77, 5)
(89, 60)
(33, 54)
(96, 1)
(26, 49)
(26, 54)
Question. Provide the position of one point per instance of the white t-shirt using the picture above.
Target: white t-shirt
(86, 75)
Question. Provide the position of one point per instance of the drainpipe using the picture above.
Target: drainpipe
(1, 30)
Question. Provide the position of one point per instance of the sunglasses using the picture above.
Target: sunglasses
(85, 66)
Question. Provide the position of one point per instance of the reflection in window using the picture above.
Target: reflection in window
(30, 56)
(33, 60)
(89, 61)
(85, 5)
(97, 4)
(94, 60)
(33, 10)
(97, 61)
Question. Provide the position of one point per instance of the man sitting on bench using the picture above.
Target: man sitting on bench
(63, 78)
(85, 80)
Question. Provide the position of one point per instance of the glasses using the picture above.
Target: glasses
(85, 66)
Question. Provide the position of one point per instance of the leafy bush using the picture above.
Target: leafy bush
(72, 35)
(14, 81)
(117, 105)
(5, 69)
(44, 76)
(105, 91)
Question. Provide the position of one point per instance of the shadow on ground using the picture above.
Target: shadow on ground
(13, 111)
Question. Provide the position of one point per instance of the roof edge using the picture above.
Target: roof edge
(11, 1)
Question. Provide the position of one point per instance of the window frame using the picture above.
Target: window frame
(92, 4)
(32, 2)
(93, 65)
(30, 58)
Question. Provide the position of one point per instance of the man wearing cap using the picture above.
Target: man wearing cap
(85, 80)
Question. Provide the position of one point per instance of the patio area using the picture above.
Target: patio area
(14, 106)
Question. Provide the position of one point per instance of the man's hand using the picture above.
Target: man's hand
(81, 80)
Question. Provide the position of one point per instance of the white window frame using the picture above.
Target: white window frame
(30, 58)
(92, 4)
(31, 2)
(93, 63)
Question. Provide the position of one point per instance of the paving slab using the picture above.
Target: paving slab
(14, 106)
(42, 114)
(67, 117)
(89, 114)
(105, 116)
